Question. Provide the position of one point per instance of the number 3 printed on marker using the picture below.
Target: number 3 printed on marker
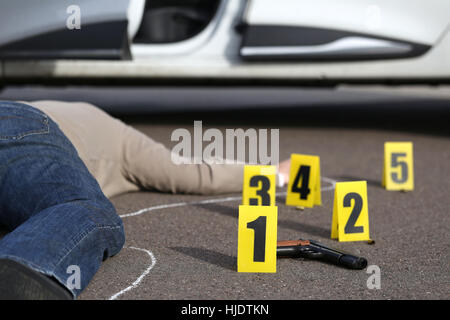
(263, 191)
(259, 185)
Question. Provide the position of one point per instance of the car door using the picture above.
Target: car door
(64, 29)
(303, 30)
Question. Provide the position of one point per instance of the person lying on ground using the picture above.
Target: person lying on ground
(122, 159)
(60, 162)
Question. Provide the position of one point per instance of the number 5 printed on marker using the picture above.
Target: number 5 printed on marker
(398, 169)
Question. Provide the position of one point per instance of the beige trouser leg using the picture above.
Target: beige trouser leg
(149, 164)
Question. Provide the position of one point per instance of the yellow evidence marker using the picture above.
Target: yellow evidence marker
(350, 220)
(259, 185)
(398, 170)
(257, 239)
(304, 181)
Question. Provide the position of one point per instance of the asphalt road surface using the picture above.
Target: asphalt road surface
(183, 247)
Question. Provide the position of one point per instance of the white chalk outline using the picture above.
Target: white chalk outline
(180, 204)
(217, 200)
(142, 276)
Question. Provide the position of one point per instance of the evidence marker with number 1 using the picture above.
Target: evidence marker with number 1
(257, 239)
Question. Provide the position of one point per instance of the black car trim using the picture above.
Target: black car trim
(107, 40)
(257, 38)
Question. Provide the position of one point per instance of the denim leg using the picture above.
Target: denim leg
(64, 236)
(57, 214)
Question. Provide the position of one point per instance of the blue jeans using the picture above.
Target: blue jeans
(59, 220)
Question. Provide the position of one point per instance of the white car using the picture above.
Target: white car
(222, 41)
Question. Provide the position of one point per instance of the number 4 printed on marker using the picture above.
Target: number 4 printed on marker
(304, 181)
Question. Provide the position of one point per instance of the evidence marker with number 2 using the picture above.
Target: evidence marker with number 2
(257, 239)
(304, 181)
(398, 168)
(350, 221)
(259, 185)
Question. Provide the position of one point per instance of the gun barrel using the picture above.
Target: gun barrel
(288, 252)
(353, 262)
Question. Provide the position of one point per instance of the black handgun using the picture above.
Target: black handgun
(313, 250)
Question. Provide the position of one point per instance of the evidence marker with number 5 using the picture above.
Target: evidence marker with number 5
(259, 185)
(398, 167)
(350, 221)
(304, 181)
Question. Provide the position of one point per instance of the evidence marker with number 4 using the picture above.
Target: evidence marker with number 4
(350, 221)
(304, 181)
(259, 185)
(398, 168)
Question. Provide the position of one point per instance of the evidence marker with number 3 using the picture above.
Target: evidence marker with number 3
(259, 185)
(257, 239)
(304, 181)
(350, 220)
(398, 169)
